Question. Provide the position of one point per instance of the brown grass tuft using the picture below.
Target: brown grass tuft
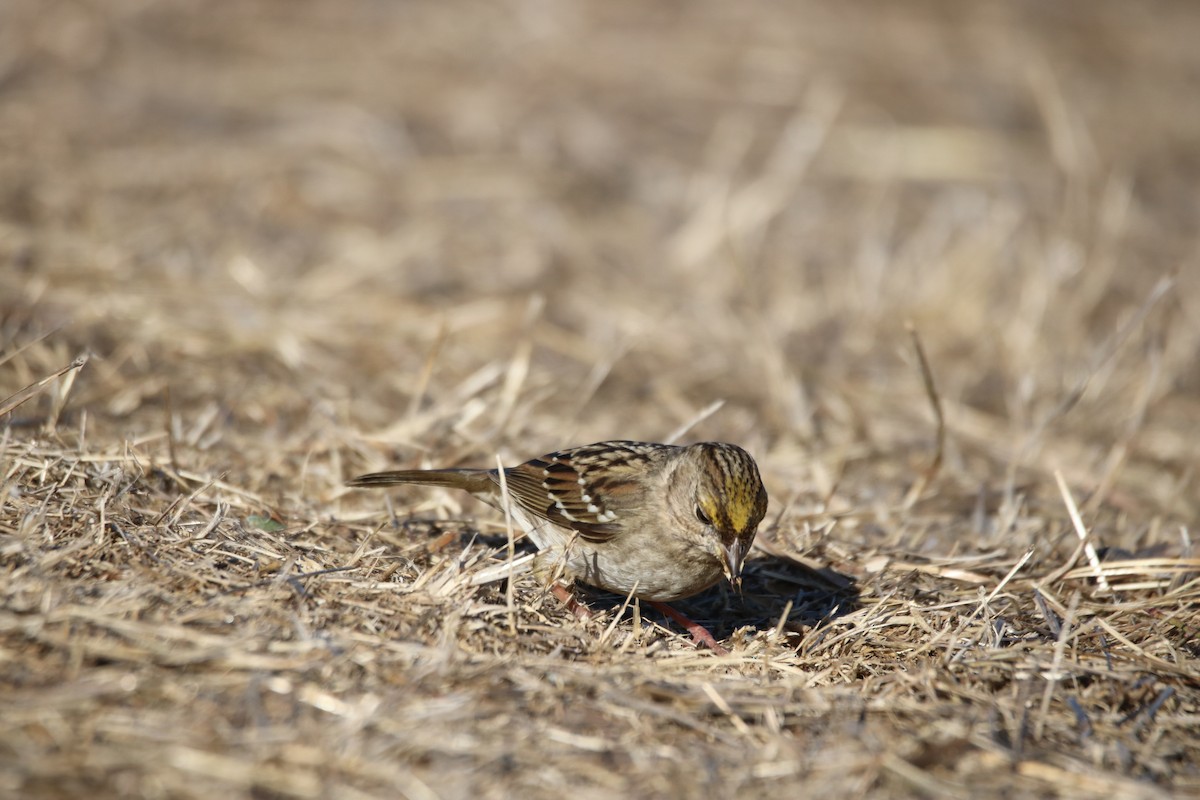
(301, 241)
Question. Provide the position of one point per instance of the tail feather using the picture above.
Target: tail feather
(471, 480)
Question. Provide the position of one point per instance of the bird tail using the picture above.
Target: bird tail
(471, 480)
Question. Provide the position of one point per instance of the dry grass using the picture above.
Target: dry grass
(297, 241)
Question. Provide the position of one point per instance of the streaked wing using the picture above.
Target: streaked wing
(586, 489)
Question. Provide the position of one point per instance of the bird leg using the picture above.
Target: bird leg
(700, 634)
(577, 608)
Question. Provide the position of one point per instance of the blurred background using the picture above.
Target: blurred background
(654, 206)
(360, 208)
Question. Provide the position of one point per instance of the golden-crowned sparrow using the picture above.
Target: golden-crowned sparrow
(657, 521)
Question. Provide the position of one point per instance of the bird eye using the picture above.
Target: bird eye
(700, 515)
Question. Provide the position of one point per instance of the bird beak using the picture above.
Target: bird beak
(732, 554)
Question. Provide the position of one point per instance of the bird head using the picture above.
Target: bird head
(729, 502)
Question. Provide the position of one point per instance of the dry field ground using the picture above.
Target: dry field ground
(299, 240)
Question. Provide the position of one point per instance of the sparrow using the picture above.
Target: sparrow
(656, 521)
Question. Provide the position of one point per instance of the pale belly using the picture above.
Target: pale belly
(651, 565)
(646, 573)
